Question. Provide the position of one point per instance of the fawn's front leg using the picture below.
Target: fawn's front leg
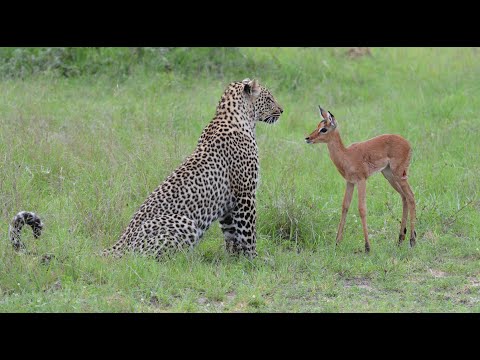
(347, 198)
(362, 209)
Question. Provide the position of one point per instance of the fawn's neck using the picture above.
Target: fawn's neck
(337, 152)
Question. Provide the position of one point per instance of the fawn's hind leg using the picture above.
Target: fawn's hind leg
(400, 175)
(387, 173)
(411, 205)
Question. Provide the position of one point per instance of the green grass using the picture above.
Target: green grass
(84, 149)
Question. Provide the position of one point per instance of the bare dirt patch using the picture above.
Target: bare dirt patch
(357, 52)
(217, 305)
(474, 281)
(202, 300)
(57, 285)
(437, 273)
(430, 236)
(230, 296)
(360, 282)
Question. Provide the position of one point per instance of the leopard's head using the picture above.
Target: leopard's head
(266, 108)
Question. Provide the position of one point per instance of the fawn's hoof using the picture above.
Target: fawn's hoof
(413, 239)
(401, 236)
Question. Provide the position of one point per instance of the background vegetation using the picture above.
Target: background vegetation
(87, 133)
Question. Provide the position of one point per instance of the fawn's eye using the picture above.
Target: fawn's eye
(323, 130)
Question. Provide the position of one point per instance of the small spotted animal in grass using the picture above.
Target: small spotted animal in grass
(19, 220)
(217, 181)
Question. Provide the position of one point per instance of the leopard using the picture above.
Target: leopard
(218, 181)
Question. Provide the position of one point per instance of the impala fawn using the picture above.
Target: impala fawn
(389, 154)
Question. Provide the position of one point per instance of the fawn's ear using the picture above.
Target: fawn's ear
(251, 87)
(333, 122)
(327, 116)
(323, 113)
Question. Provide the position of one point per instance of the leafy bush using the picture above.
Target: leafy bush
(210, 61)
(121, 62)
(74, 61)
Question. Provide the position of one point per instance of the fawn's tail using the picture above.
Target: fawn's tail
(19, 220)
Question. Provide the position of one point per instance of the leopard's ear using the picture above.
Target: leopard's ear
(251, 87)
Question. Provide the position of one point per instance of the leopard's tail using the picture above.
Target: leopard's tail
(19, 220)
(116, 251)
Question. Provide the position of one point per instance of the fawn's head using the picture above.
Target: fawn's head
(324, 130)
